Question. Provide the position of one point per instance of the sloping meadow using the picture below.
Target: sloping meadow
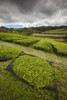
(19, 39)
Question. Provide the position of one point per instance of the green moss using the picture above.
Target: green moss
(35, 70)
(43, 44)
(9, 52)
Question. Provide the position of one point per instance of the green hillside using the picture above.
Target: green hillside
(48, 63)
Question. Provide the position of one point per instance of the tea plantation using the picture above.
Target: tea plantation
(19, 39)
(44, 63)
(52, 46)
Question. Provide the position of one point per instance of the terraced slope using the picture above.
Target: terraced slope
(47, 45)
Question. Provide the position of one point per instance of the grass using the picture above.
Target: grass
(35, 70)
(9, 52)
(45, 55)
(57, 31)
(61, 79)
(12, 88)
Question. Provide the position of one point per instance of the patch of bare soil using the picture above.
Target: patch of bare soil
(55, 35)
(59, 40)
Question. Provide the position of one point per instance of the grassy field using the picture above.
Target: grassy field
(57, 31)
(12, 88)
(57, 37)
(56, 34)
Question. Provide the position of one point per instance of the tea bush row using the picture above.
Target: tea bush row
(60, 47)
(35, 70)
(9, 52)
(52, 46)
(19, 39)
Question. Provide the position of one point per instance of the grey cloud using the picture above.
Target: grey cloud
(44, 12)
(51, 7)
(24, 6)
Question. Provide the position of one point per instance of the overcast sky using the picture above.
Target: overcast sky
(33, 12)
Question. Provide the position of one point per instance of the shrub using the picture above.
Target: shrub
(9, 52)
(27, 41)
(11, 88)
(20, 39)
(60, 47)
(43, 44)
(34, 70)
(52, 46)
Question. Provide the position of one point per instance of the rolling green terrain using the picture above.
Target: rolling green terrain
(57, 31)
(58, 34)
(48, 45)
(35, 70)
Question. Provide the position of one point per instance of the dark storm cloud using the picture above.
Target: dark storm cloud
(45, 6)
(44, 12)
(23, 5)
(51, 7)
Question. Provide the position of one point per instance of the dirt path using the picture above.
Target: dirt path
(55, 35)
(59, 40)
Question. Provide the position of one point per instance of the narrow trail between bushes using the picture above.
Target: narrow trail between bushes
(42, 54)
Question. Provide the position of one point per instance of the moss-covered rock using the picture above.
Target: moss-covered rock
(34, 70)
